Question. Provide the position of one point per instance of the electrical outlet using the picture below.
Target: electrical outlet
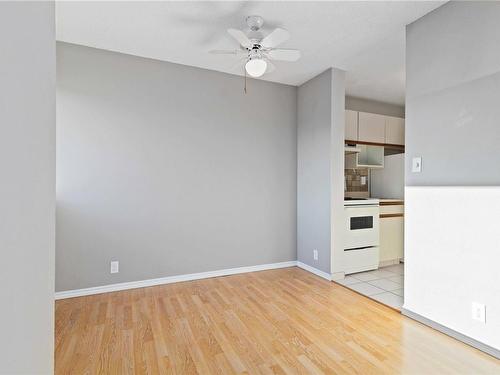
(416, 165)
(315, 254)
(479, 312)
(115, 267)
(363, 180)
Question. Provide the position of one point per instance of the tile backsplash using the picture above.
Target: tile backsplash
(353, 180)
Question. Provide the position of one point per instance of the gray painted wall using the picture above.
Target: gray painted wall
(337, 173)
(453, 112)
(453, 91)
(314, 118)
(373, 106)
(389, 182)
(169, 169)
(27, 188)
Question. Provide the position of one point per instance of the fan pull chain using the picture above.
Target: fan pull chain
(245, 87)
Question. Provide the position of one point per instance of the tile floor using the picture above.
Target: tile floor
(384, 285)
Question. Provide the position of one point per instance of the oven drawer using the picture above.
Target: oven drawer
(360, 260)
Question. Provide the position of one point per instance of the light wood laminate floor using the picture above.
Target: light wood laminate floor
(285, 321)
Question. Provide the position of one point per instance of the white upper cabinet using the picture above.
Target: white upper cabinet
(351, 125)
(394, 130)
(371, 127)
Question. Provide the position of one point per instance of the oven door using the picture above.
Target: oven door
(362, 227)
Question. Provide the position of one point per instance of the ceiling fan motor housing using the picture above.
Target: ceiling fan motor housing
(254, 53)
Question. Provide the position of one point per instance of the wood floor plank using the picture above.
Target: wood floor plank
(284, 321)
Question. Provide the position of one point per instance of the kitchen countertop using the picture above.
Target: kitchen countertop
(390, 201)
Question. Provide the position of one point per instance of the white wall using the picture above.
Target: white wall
(27, 188)
(169, 169)
(452, 255)
(452, 239)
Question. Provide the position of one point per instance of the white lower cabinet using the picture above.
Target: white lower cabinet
(391, 234)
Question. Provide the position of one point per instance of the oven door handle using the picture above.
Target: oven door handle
(359, 248)
(360, 205)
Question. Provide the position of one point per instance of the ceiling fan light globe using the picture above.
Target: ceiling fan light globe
(256, 67)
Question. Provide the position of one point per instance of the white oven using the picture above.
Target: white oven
(361, 240)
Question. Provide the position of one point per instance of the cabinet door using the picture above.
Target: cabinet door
(391, 239)
(351, 125)
(371, 127)
(370, 157)
(394, 130)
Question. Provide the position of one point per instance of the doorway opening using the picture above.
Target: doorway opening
(373, 257)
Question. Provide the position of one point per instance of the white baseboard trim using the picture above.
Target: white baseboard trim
(391, 262)
(338, 276)
(450, 332)
(171, 279)
(317, 272)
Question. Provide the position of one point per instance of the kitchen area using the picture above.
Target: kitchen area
(373, 253)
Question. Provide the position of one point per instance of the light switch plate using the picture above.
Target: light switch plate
(416, 166)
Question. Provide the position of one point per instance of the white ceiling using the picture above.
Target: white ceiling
(367, 39)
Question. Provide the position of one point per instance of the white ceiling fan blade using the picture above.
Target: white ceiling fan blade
(276, 37)
(239, 65)
(284, 54)
(224, 52)
(270, 67)
(241, 37)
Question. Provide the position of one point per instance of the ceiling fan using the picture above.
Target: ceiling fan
(258, 49)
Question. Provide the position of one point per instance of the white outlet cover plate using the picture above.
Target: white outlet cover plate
(416, 165)
(479, 312)
(115, 267)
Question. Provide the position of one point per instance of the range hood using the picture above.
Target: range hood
(352, 149)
